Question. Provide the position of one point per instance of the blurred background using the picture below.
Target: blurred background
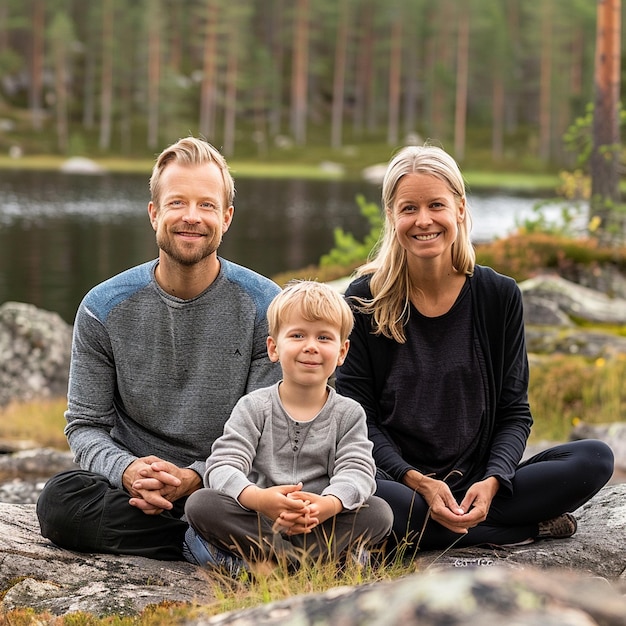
(498, 82)
(304, 97)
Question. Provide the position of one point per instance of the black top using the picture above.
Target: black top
(434, 402)
(495, 420)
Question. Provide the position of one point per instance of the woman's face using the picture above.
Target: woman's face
(426, 215)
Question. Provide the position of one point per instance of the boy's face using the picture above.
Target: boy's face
(308, 352)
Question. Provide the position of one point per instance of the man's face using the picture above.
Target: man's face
(191, 217)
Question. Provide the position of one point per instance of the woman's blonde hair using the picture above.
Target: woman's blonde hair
(390, 284)
(315, 302)
(191, 151)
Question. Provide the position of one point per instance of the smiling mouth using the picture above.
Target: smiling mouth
(426, 237)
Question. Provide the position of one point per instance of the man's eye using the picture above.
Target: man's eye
(209, 206)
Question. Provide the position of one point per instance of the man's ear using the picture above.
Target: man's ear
(152, 214)
(227, 218)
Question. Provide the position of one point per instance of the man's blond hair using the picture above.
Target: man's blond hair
(191, 151)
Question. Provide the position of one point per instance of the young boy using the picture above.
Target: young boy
(293, 472)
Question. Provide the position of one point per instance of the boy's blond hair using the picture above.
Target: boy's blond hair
(315, 302)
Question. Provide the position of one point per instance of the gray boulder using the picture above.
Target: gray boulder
(566, 300)
(38, 575)
(34, 353)
(552, 305)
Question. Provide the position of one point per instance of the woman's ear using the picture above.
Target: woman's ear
(461, 210)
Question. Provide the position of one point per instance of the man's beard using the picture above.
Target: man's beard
(187, 255)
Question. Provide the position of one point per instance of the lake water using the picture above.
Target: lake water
(61, 234)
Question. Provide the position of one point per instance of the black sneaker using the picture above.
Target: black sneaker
(199, 551)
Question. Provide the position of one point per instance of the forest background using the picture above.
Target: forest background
(495, 82)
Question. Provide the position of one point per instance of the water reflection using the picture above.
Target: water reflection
(61, 234)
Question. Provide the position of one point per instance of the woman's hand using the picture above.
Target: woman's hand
(444, 508)
(477, 500)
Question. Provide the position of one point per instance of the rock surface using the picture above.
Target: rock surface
(41, 576)
(480, 597)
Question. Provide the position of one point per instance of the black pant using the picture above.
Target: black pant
(82, 511)
(551, 483)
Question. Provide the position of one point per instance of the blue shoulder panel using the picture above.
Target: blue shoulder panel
(103, 298)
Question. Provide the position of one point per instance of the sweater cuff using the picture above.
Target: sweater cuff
(348, 495)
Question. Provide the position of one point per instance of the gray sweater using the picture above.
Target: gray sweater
(263, 445)
(152, 374)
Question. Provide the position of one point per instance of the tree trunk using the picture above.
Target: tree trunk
(154, 72)
(61, 37)
(89, 86)
(4, 28)
(37, 61)
(299, 75)
(275, 114)
(462, 65)
(339, 79)
(364, 69)
(209, 74)
(545, 94)
(395, 73)
(230, 104)
(106, 81)
(497, 125)
(606, 149)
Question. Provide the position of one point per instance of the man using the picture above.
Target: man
(160, 355)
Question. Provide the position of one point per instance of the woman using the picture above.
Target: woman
(438, 361)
